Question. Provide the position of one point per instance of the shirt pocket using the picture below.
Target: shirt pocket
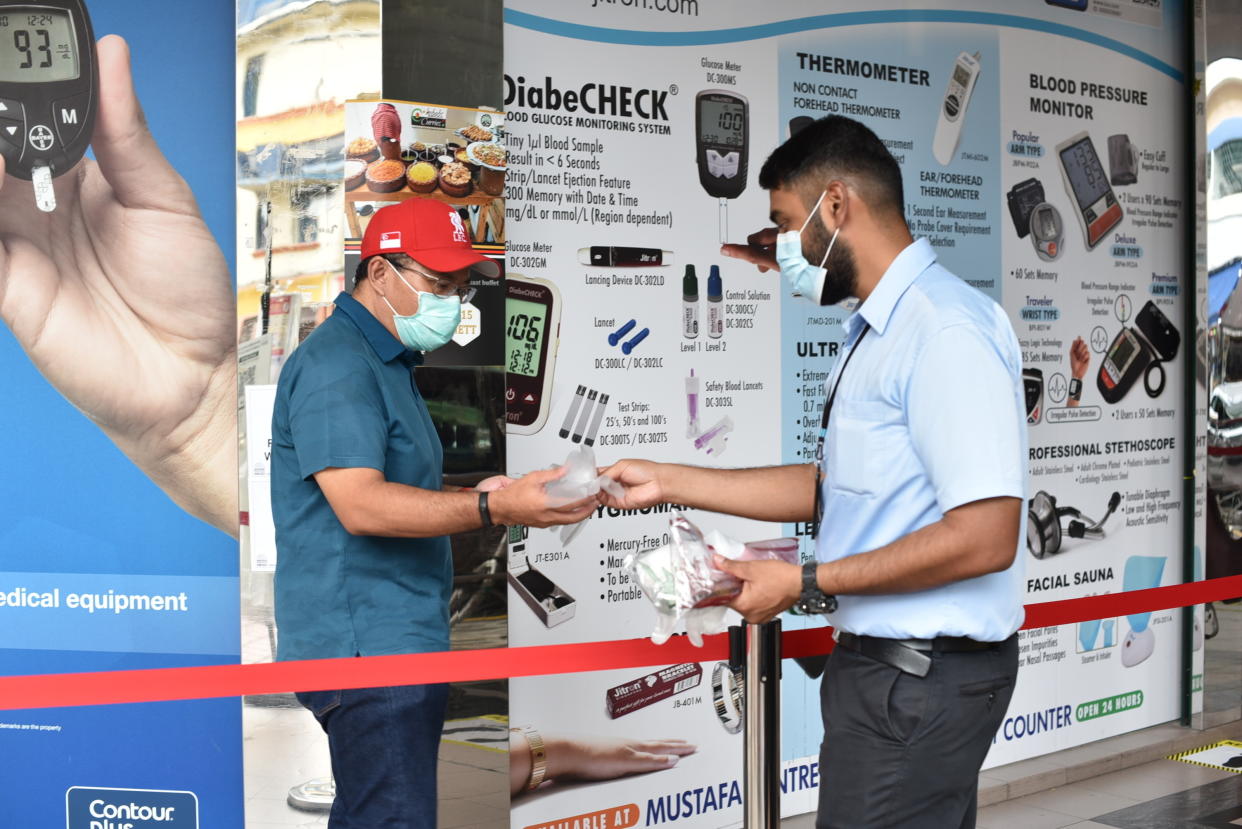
(863, 434)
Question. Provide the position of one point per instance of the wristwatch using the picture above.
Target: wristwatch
(814, 600)
(1075, 389)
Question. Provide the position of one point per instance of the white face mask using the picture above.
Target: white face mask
(806, 280)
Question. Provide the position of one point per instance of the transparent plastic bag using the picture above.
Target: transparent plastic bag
(682, 583)
(580, 480)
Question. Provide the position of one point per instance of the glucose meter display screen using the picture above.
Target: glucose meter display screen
(524, 335)
(724, 124)
(1086, 174)
(37, 45)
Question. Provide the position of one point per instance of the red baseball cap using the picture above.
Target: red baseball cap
(429, 231)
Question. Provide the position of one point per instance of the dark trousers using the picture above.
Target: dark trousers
(384, 744)
(904, 751)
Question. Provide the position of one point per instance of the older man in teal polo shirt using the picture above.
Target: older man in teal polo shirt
(362, 517)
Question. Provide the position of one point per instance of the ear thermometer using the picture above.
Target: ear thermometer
(722, 144)
(532, 334)
(1087, 182)
(953, 107)
(49, 90)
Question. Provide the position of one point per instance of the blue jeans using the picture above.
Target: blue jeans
(384, 744)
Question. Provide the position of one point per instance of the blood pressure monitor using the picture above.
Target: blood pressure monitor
(1086, 180)
(1124, 361)
(49, 90)
(532, 334)
(722, 144)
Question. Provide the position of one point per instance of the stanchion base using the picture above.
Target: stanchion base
(314, 795)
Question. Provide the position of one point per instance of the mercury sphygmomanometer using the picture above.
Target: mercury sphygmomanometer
(722, 144)
(1142, 349)
(49, 90)
(532, 334)
(1043, 523)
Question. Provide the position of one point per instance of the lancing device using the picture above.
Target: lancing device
(583, 418)
(589, 440)
(573, 410)
(49, 90)
(611, 257)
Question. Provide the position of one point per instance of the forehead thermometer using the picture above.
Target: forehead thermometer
(532, 332)
(722, 144)
(953, 106)
(49, 89)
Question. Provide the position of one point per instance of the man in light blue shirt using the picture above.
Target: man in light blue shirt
(921, 488)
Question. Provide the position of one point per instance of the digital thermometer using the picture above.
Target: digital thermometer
(532, 333)
(722, 144)
(1087, 182)
(49, 90)
(953, 107)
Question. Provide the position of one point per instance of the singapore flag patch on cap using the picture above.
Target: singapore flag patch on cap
(390, 240)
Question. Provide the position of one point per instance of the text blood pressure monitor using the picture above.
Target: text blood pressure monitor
(1087, 182)
(722, 144)
(532, 332)
(49, 89)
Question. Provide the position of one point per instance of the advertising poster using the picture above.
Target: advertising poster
(101, 568)
(1038, 160)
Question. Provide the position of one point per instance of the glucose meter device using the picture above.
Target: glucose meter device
(1086, 180)
(49, 90)
(1046, 231)
(532, 334)
(722, 143)
(953, 107)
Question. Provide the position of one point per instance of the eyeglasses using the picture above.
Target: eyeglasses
(445, 287)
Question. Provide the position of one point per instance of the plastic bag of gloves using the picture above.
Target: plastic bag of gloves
(682, 584)
(581, 479)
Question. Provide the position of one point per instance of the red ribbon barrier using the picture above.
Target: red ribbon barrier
(163, 684)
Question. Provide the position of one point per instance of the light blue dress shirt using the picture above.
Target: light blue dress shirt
(929, 416)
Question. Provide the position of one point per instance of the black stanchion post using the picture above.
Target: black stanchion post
(761, 775)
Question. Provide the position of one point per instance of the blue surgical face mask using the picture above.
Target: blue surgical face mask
(806, 280)
(432, 325)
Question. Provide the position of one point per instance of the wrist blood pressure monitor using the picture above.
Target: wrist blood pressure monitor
(49, 90)
(532, 335)
(722, 144)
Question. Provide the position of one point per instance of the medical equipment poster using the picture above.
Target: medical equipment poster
(1040, 161)
(100, 568)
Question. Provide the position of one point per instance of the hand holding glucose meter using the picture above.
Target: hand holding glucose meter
(722, 143)
(49, 90)
(532, 333)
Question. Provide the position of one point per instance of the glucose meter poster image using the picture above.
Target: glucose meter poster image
(78, 518)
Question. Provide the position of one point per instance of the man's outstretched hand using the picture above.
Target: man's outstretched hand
(122, 299)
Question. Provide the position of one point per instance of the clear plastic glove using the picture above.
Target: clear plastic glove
(581, 479)
(683, 585)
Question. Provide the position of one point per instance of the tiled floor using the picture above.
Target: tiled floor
(1165, 794)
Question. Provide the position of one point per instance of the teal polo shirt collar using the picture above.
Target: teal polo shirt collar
(386, 346)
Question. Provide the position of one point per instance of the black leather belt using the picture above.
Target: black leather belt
(910, 655)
